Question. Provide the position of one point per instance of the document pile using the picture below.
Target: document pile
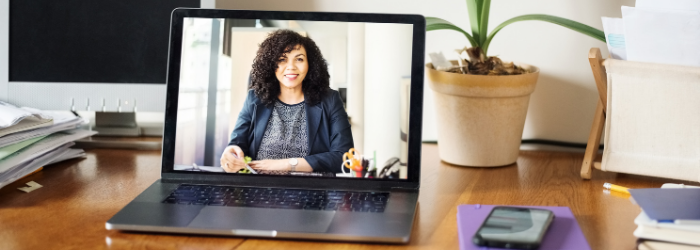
(670, 217)
(656, 31)
(31, 139)
(652, 125)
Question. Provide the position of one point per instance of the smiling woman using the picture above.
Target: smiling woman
(291, 119)
(291, 71)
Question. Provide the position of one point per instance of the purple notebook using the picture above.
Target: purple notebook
(564, 233)
(669, 203)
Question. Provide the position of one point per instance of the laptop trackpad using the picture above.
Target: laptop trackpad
(283, 220)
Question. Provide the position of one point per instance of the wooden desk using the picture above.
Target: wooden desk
(80, 195)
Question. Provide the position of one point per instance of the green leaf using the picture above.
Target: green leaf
(484, 20)
(576, 26)
(434, 23)
(474, 11)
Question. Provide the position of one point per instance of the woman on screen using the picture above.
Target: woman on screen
(291, 119)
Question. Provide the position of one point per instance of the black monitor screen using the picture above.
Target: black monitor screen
(107, 41)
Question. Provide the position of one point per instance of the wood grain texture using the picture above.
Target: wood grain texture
(593, 141)
(595, 59)
(79, 196)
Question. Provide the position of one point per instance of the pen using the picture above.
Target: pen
(615, 188)
(305, 174)
(251, 169)
(246, 165)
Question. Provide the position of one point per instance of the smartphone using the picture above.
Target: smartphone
(514, 227)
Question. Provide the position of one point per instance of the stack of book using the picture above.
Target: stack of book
(31, 139)
(670, 217)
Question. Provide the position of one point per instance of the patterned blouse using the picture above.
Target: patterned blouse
(286, 133)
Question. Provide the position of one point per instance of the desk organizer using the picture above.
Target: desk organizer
(651, 114)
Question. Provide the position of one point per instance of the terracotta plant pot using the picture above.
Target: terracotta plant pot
(481, 118)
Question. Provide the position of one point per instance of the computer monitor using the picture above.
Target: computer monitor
(377, 54)
(53, 53)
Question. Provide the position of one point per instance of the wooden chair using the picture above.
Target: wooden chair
(601, 81)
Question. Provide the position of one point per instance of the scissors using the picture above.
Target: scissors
(351, 162)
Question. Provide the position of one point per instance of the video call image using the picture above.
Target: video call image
(294, 98)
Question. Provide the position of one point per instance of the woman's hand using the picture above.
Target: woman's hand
(270, 165)
(232, 159)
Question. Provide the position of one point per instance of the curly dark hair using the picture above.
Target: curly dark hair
(263, 79)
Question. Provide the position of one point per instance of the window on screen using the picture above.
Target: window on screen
(264, 99)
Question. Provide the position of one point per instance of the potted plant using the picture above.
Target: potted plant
(482, 102)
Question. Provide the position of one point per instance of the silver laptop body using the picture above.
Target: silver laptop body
(194, 164)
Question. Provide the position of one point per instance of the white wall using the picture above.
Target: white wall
(386, 62)
(331, 38)
(356, 83)
(561, 107)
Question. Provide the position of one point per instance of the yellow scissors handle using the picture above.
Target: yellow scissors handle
(350, 155)
(347, 160)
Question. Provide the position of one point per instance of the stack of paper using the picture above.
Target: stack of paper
(13, 119)
(670, 217)
(656, 31)
(31, 139)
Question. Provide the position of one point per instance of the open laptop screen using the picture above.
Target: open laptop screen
(294, 98)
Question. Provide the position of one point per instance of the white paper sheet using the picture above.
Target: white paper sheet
(9, 150)
(687, 5)
(70, 153)
(26, 168)
(28, 123)
(614, 29)
(26, 135)
(11, 115)
(662, 36)
(49, 143)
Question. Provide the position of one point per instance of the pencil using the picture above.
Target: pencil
(616, 188)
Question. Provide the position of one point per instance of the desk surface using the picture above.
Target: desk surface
(80, 195)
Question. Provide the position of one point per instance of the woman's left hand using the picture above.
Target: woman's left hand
(270, 165)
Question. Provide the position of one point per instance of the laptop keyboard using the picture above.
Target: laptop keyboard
(308, 199)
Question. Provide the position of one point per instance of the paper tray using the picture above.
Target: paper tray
(652, 122)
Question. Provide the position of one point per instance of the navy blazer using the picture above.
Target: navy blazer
(327, 126)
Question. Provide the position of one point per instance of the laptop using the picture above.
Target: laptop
(355, 138)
